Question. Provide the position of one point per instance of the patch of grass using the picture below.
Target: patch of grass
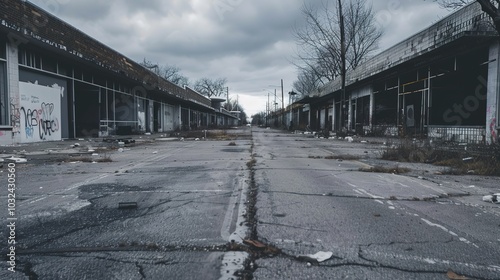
(477, 160)
(315, 157)
(251, 163)
(87, 159)
(339, 157)
(477, 166)
(383, 169)
(343, 157)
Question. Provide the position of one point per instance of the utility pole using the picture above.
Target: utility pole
(343, 64)
(282, 105)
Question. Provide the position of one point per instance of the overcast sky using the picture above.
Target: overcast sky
(249, 42)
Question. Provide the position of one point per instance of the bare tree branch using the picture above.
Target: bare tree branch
(211, 87)
(319, 41)
(170, 73)
(490, 7)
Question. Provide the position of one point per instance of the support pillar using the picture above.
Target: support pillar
(371, 110)
(13, 91)
(492, 93)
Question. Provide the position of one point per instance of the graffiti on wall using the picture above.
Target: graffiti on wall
(15, 116)
(40, 113)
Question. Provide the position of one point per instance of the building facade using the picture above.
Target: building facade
(57, 82)
(441, 83)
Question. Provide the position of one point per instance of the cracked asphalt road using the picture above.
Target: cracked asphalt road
(188, 196)
(378, 226)
(195, 197)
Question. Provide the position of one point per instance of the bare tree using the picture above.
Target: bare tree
(233, 105)
(320, 40)
(170, 73)
(307, 81)
(211, 88)
(490, 7)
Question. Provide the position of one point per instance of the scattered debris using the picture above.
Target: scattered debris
(120, 150)
(349, 139)
(467, 158)
(147, 133)
(197, 139)
(453, 276)
(75, 145)
(232, 144)
(261, 247)
(127, 205)
(320, 256)
(493, 198)
(155, 152)
(95, 154)
(17, 159)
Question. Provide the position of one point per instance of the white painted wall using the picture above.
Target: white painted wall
(40, 113)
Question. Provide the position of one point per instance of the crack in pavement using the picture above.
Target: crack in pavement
(290, 226)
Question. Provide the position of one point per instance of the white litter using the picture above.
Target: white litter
(197, 139)
(493, 198)
(147, 133)
(91, 150)
(121, 143)
(320, 256)
(95, 154)
(155, 152)
(76, 145)
(120, 150)
(18, 160)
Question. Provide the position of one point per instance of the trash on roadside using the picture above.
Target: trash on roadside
(467, 158)
(320, 256)
(127, 205)
(17, 159)
(120, 150)
(76, 145)
(155, 152)
(453, 276)
(95, 154)
(197, 139)
(265, 248)
(349, 139)
(493, 198)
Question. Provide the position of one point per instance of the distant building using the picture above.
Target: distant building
(57, 82)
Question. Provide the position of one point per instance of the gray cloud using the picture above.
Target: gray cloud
(249, 42)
